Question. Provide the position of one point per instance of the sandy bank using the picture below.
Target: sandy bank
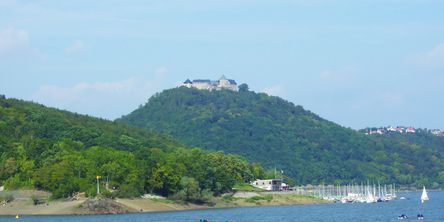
(73, 207)
(26, 207)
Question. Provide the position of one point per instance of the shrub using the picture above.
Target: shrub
(108, 194)
(13, 183)
(255, 199)
(91, 192)
(36, 200)
(191, 192)
(6, 197)
(228, 198)
(206, 196)
(65, 191)
(126, 191)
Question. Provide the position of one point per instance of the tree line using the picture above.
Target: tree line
(63, 152)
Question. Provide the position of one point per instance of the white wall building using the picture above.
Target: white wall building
(270, 185)
(206, 84)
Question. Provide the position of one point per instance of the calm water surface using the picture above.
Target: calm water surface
(433, 210)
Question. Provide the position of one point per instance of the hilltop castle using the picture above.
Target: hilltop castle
(222, 83)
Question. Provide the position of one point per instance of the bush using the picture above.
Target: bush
(6, 197)
(108, 194)
(36, 200)
(91, 192)
(228, 198)
(206, 196)
(13, 183)
(191, 192)
(127, 191)
(255, 199)
(65, 191)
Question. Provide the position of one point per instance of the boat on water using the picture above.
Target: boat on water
(402, 217)
(420, 217)
(424, 196)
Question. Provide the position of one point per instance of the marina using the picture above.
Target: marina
(351, 193)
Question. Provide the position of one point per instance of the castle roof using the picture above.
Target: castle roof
(202, 80)
(187, 82)
(232, 82)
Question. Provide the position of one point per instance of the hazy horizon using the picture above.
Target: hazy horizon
(359, 64)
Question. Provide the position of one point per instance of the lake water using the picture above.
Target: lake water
(433, 210)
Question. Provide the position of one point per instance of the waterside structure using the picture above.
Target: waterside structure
(350, 193)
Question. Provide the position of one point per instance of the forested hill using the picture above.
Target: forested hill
(63, 152)
(277, 133)
(22, 120)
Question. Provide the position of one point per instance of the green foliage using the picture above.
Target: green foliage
(228, 198)
(13, 182)
(63, 152)
(190, 191)
(246, 187)
(276, 133)
(255, 199)
(37, 200)
(243, 87)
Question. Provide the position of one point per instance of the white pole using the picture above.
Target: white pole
(98, 186)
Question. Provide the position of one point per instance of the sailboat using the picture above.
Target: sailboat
(424, 196)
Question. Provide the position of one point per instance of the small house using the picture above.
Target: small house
(270, 185)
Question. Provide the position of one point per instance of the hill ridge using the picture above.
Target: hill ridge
(275, 132)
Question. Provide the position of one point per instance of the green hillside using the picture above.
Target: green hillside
(63, 152)
(422, 137)
(278, 133)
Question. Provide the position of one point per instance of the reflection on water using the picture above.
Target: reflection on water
(433, 210)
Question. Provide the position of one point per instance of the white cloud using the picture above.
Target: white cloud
(434, 58)
(16, 43)
(77, 46)
(161, 72)
(12, 40)
(81, 91)
(276, 90)
(107, 99)
(102, 99)
(343, 75)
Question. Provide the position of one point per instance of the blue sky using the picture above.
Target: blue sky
(357, 63)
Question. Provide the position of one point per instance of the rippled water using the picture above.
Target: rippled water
(433, 210)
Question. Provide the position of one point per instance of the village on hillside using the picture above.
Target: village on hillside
(400, 129)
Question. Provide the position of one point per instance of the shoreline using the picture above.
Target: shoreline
(140, 205)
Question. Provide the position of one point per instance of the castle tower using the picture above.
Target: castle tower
(224, 83)
(187, 83)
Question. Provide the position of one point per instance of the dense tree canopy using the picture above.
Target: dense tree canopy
(278, 133)
(62, 152)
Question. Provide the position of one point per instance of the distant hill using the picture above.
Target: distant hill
(275, 132)
(63, 152)
(432, 139)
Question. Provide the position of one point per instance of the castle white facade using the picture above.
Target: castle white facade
(206, 84)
